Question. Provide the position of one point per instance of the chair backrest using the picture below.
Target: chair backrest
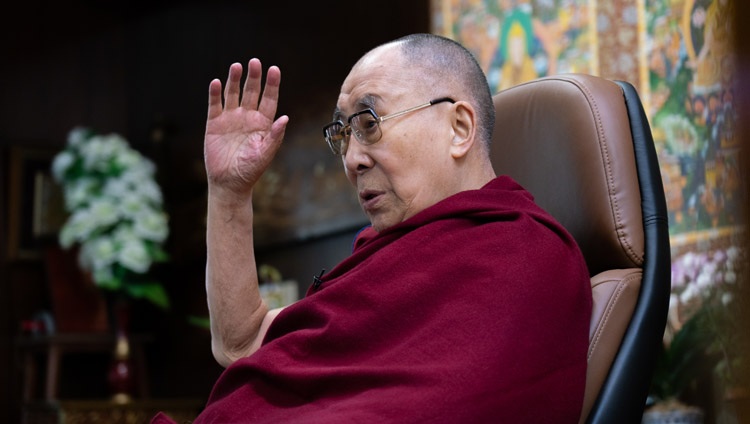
(582, 146)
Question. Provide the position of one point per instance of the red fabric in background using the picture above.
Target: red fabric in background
(476, 310)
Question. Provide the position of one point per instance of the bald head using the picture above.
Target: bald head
(442, 62)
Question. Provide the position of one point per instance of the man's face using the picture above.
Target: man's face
(408, 169)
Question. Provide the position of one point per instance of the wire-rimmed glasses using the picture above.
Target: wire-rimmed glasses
(365, 125)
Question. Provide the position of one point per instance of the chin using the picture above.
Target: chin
(382, 219)
(376, 226)
(379, 224)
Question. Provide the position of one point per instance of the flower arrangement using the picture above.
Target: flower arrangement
(116, 216)
(703, 331)
(708, 284)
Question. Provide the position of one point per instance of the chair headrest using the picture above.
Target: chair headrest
(567, 140)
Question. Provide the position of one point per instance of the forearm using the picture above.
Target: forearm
(235, 306)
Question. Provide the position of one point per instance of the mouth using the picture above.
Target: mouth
(369, 199)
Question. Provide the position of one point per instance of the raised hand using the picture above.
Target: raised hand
(241, 134)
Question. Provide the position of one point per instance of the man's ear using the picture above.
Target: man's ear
(464, 129)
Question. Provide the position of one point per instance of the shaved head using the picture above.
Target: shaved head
(444, 63)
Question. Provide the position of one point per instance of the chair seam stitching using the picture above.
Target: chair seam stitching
(608, 312)
(608, 171)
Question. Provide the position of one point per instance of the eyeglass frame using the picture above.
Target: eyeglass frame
(346, 130)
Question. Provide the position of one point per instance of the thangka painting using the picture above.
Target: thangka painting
(693, 116)
(517, 41)
(693, 119)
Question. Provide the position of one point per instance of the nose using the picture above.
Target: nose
(357, 158)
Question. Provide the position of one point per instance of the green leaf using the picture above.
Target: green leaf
(682, 362)
(159, 255)
(153, 292)
(203, 322)
(110, 284)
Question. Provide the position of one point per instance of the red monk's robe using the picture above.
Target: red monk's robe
(475, 310)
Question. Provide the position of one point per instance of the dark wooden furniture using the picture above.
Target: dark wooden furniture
(51, 349)
(97, 411)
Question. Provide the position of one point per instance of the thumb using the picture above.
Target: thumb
(278, 129)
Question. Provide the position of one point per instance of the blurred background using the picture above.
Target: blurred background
(141, 70)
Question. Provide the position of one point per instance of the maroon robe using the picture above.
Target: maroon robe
(475, 310)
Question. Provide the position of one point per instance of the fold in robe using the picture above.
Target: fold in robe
(475, 310)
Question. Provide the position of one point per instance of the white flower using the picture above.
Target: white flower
(84, 260)
(79, 192)
(132, 204)
(104, 211)
(61, 164)
(131, 160)
(77, 136)
(134, 256)
(691, 292)
(690, 259)
(101, 251)
(704, 281)
(124, 233)
(733, 253)
(142, 181)
(730, 277)
(102, 275)
(97, 154)
(150, 190)
(151, 225)
(79, 227)
(67, 236)
(116, 188)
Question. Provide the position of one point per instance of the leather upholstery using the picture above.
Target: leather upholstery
(615, 293)
(568, 139)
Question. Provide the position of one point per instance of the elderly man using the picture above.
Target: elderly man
(463, 302)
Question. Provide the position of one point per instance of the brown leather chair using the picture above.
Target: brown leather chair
(582, 146)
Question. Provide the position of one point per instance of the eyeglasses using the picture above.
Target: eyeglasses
(365, 125)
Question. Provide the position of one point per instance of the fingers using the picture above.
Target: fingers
(251, 91)
(270, 99)
(232, 89)
(252, 84)
(214, 99)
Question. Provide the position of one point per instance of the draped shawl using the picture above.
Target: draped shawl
(475, 310)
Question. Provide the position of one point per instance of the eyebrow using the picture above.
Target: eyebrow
(367, 101)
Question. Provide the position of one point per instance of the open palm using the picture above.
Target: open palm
(241, 135)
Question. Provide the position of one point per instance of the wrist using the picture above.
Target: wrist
(227, 198)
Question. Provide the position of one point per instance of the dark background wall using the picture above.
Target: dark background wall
(142, 69)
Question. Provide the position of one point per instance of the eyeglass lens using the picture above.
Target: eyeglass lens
(335, 135)
(365, 126)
